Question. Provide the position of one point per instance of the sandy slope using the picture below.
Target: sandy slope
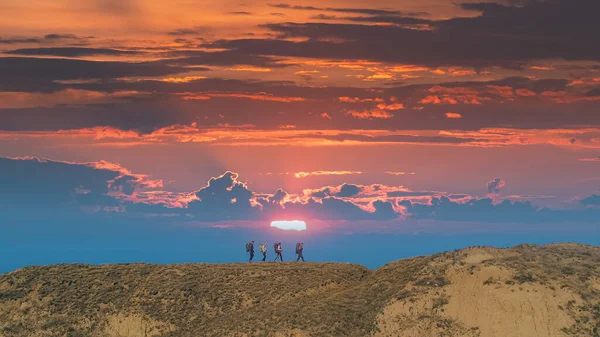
(525, 291)
(479, 302)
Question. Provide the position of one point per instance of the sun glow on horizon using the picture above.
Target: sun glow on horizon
(296, 225)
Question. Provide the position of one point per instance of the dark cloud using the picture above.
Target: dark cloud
(593, 93)
(240, 13)
(532, 19)
(162, 106)
(70, 52)
(16, 40)
(66, 69)
(221, 58)
(139, 116)
(35, 183)
(507, 36)
(349, 190)
(61, 37)
(410, 193)
(344, 10)
(324, 17)
(54, 189)
(118, 7)
(40, 74)
(321, 192)
(187, 31)
(485, 210)
(174, 58)
(593, 200)
(83, 187)
(224, 198)
(331, 208)
(278, 197)
(494, 186)
(393, 19)
(48, 38)
(402, 139)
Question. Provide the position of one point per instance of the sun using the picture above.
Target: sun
(296, 225)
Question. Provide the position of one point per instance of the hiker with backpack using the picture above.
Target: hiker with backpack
(299, 249)
(250, 249)
(263, 249)
(278, 251)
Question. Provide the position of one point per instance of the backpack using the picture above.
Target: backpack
(275, 245)
(248, 246)
(298, 247)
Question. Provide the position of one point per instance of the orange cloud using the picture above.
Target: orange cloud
(565, 98)
(525, 92)
(597, 159)
(259, 97)
(251, 69)
(378, 76)
(465, 95)
(347, 99)
(169, 199)
(462, 73)
(438, 72)
(453, 115)
(393, 106)
(434, 99)
(582, 138)
(306, 72)
(399, 173)
(369, 114)
(407, 69)
(540, 68)
(185, 79)
(325, 115)
(190, 97)
(504, 91)
(141, 180)
(585, 81)
(455, 91)
(300, 175)
(232, 135)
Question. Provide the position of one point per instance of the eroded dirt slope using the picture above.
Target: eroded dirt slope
(522, 291)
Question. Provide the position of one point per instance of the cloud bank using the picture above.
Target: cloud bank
(49, 188)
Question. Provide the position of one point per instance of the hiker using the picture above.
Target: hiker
(299, 249)
(250, 249)
(278, 251)
(263, 249)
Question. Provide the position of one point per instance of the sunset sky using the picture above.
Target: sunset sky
(439, 123)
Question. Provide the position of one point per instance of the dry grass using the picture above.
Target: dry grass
(268, 299)
(571, 267)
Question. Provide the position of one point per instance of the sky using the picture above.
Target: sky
(176, 132)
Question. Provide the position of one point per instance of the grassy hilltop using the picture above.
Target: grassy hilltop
(526, 290)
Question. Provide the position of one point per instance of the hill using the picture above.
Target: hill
(526, 290)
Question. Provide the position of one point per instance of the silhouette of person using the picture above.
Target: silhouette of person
(250, 249)
(263, 249)
(278, 251)
(299, 249)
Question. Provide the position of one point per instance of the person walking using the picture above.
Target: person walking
(263, 249)
(278, 251)
(299, 249)
(250, 249)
